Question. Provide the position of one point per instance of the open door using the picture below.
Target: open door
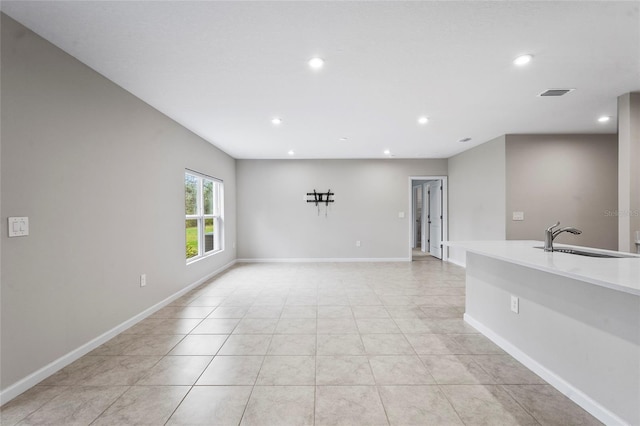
(418, 229)
(435, 218)
(424, 221)
(428, 222)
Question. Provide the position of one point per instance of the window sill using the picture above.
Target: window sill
(206, 256)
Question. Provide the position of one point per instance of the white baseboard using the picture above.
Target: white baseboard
(36, 377)
(325, 260)
(571, 392)
(457, 262)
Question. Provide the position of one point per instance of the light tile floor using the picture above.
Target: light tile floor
(303, 344)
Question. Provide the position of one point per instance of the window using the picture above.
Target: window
(203, 215)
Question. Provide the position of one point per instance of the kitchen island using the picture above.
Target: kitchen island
(574, 320)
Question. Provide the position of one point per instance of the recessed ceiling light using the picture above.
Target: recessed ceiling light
(276, 121)
(343, 139)
(523, 60)
(291, 152)
(387, 152)
(423, 120)
(316, 63)
(604, 119)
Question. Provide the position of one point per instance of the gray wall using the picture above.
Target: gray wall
(628, 170)
(100, 175)
(274, 221)
(570, 178)
(477, 195)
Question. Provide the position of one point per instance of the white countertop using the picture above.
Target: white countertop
(622, 274)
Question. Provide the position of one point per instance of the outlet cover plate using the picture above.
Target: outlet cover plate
(515, 304)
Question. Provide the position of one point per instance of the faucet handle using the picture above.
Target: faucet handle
(549, 229)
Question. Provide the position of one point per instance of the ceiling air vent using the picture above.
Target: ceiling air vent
(555, 92)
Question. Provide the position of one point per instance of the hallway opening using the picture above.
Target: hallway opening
(428, 210)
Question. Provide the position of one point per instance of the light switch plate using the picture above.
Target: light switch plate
(401, 215)
(518, 215)
(18, 226)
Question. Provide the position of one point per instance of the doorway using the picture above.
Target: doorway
(428, 225)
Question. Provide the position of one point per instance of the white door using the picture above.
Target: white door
(415, 239)
(424, 221)
(435, 218)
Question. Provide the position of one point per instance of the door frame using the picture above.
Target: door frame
(445, 213)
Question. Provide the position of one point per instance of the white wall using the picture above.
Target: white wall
(477, 195)
(274, 222)
(100, 175)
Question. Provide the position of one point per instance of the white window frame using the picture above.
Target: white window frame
(217, 215)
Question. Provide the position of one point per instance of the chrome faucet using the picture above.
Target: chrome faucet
(550, 235)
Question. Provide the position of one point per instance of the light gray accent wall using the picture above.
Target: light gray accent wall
(100, 175)
(566, 178)
(477, 195)
(275, 221)
(628, 170)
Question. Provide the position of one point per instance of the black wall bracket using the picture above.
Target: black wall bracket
(320, 197)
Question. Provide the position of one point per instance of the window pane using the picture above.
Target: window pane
(207, 189)
(190, 194)
(208, 235)
(191, 237)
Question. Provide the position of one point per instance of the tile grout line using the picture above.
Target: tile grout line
(501, 386)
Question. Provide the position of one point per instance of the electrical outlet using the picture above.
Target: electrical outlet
(358, 243)
(515, 304)
(143, 280)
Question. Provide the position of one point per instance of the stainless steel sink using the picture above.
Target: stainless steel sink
(589, 253)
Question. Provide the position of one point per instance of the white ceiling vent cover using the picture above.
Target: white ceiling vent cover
(556, 92)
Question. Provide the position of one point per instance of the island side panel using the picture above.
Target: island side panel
(582, 338)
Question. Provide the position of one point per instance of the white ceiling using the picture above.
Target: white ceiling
(224, 69)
